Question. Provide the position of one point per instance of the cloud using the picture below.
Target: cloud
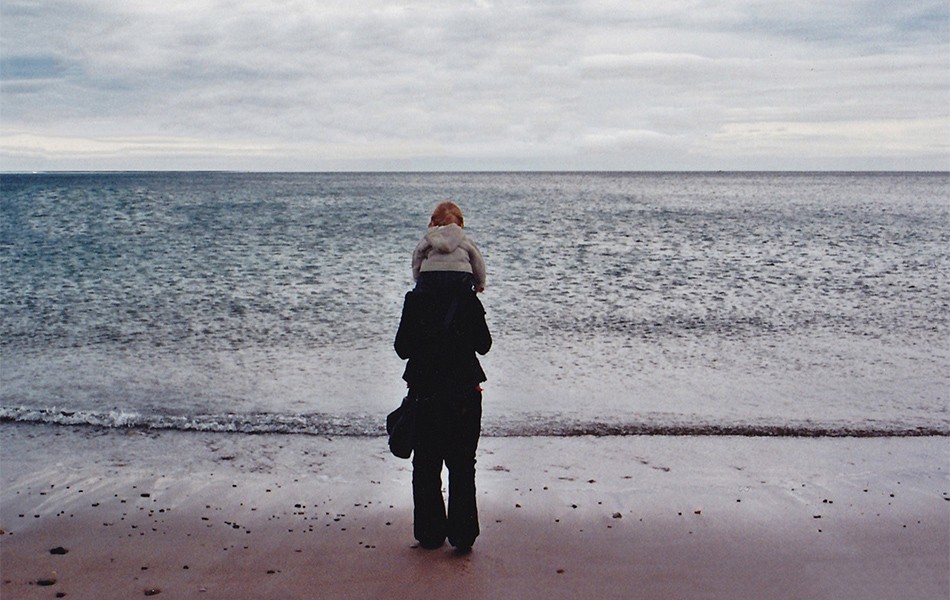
(543, 83)
(49, 146)
(611, 140)
(114, 147)
(20, 67)
(859, 137)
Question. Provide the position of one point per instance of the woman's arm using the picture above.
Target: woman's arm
(481, 337)
(407, 336)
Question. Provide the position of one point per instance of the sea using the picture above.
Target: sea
(728, 303)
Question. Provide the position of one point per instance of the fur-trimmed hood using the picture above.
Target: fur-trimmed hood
(445, 238)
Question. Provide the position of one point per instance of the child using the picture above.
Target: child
(446, 257)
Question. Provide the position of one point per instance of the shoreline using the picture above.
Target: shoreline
(366, 426)
(280, 516)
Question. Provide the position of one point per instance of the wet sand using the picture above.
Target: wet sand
(91, 513)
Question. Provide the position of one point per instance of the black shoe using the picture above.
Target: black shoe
(431, 544)
(463, 550)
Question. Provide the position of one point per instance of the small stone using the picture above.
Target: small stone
(152, 591)
(618, 515)
(46, 582)
(58, 550)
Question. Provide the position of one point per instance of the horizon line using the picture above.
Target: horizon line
(477, 171)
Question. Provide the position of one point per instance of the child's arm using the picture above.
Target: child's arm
(478, 267)
(419, 255)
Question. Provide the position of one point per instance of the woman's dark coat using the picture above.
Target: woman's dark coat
(439, 333)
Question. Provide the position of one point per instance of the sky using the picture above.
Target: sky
(457, 85)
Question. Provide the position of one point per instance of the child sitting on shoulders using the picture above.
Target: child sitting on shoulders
(446, 257)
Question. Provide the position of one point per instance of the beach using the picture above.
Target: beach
(111, 513)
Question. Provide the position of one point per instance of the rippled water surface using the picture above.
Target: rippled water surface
(815, 302)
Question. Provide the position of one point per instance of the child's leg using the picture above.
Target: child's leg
(445, 280)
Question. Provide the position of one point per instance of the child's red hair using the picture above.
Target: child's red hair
(446, 213)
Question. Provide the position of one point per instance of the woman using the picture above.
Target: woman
(441, 329)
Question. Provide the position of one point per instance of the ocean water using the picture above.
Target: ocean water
(691, 303)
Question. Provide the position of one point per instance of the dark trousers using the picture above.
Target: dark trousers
(448, 426)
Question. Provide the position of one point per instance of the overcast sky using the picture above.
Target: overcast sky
(474, 85)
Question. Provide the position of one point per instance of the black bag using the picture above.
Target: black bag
(401, 427)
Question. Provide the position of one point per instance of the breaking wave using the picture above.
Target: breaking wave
(320, 424)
